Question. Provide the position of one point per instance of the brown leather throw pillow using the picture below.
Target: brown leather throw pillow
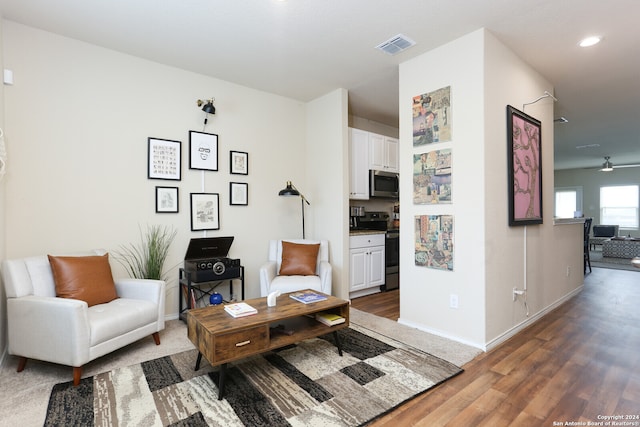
(299, 259)
(87, 278)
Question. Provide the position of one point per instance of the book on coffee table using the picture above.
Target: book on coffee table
(240, 309)
(307, 297)
(329, 319)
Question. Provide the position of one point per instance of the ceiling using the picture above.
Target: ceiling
(303, 49)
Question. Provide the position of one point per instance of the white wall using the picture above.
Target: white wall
(424, 300)
(77, 122)
(3, 204)
(327, 169)
(489, 255)
(549, 250)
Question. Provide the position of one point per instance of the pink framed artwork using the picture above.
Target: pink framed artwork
(524, 144)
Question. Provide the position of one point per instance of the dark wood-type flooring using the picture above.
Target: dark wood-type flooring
(577, 363)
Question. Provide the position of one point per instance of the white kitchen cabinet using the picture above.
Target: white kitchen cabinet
(359, 164)
(383, 153)
(366, 264)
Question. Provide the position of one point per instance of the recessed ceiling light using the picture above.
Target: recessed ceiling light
(590, 41)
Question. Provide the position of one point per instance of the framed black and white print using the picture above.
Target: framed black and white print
(205, 211)
(164, 158)
(238, 193)
(203, 151)
(239, 163)
(167, 200)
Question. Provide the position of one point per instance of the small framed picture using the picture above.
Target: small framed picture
(203, 151)
(205, 211)
(239, 163)
(164, 158)
(167, 199)
(238, 193)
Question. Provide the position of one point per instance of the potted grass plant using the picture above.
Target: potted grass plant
(145, 260)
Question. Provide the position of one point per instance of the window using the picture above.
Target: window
(568, 201)
(619, 206)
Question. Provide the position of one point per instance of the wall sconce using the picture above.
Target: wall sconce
(207, 107)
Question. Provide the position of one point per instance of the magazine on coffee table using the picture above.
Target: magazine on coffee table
(240, 309)
(307, 297)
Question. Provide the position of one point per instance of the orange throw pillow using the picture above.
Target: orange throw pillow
(299, 259)
(87, 278)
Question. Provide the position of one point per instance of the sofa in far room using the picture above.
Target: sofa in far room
(601, 233)
(621, 247)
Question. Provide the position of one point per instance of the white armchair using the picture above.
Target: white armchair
(270, 280)
(68, 331)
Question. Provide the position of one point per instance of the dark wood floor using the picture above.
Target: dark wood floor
(579, 362)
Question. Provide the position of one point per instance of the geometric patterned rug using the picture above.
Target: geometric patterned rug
(597, 260)
(307, 384)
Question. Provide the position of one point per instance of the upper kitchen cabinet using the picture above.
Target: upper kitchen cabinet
(369, 151)
(359, 164)
(383, 153)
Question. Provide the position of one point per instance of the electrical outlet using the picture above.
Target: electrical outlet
(568, 271)
(517, 292)
(453, 301)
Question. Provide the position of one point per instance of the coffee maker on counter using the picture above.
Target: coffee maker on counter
(355, 214)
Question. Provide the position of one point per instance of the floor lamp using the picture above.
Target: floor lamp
(291, 190)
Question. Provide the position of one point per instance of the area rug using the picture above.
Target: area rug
(597, 260)
(307, 384)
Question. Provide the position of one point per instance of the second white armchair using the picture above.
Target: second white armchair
(318, 276)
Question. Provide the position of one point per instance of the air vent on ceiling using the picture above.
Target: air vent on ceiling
(396, 44)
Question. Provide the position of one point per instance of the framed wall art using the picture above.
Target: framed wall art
(238, 193)
(203, 151)
(524, 158)
(205, 211)
(434, 241)
(239, 163)
(432, 117)
(164, 158)
(432, 177)
(167, 200)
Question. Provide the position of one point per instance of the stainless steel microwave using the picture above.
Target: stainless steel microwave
(384, 184)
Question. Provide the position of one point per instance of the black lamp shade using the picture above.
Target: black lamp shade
(289, 190)
(209, 108)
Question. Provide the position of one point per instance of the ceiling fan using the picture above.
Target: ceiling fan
(607, 166)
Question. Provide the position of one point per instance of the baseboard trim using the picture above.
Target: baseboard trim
(422, 328)
(490, 345)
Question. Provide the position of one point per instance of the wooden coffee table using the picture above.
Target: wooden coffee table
(221, 338)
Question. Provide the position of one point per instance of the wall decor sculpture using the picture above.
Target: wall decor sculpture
(432, 177)
(432, 117)
(434, 241)
(524, 146)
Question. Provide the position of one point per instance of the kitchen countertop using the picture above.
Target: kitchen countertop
(361, 232)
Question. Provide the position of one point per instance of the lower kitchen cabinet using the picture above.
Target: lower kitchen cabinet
(366, 264)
